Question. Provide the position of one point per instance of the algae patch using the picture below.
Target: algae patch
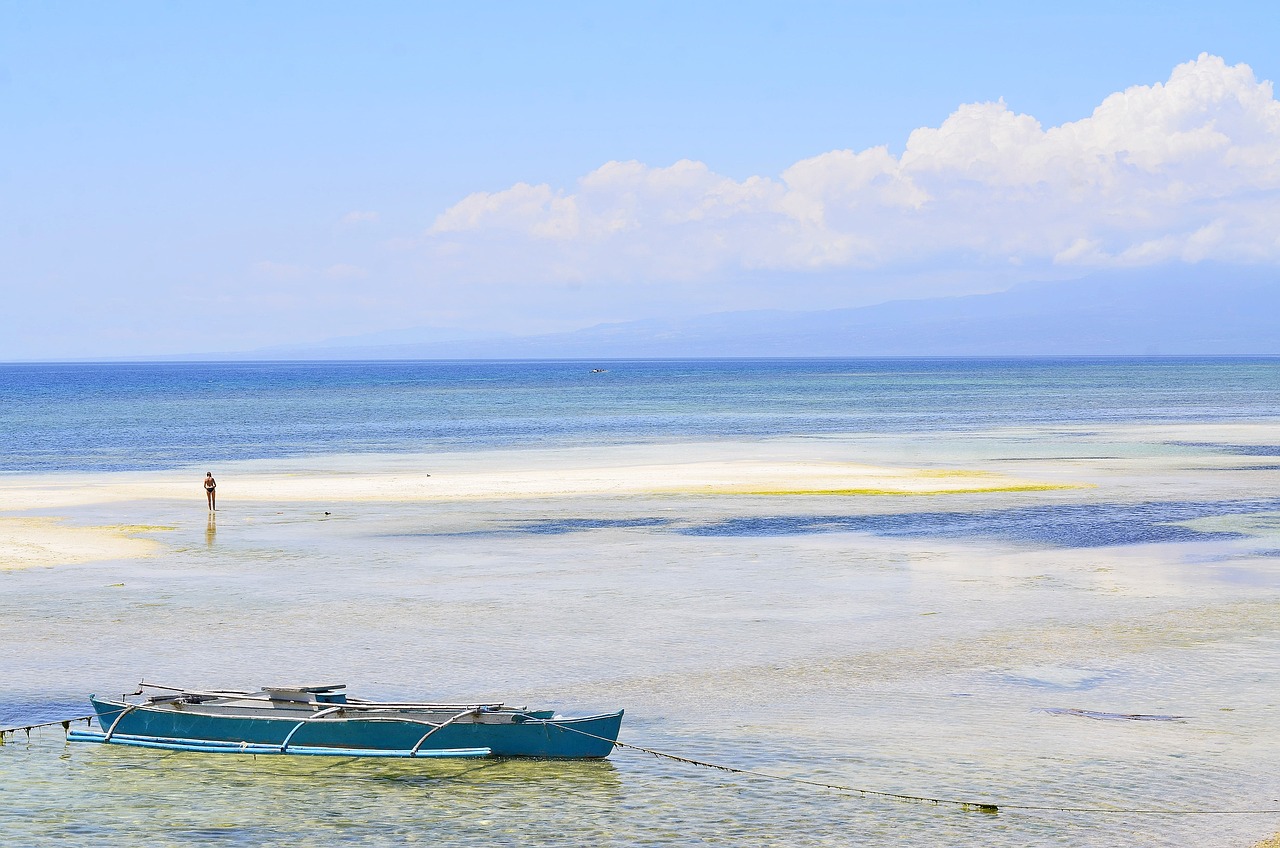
(1032, 487)
(140, 528)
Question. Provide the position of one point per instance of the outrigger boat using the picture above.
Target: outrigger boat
(324, 721)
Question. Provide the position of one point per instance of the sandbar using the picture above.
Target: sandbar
(439, 478)
(56, 518)
(42, 541)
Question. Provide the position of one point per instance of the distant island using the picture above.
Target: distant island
(1174, 310)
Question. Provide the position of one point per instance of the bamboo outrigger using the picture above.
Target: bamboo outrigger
(324, 721)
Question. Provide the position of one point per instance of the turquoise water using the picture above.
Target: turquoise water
(910, 644)
(147, 415)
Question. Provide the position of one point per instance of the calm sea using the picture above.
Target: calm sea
(921, 645)
(148, 415)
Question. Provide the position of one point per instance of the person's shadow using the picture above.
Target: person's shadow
(211, 531)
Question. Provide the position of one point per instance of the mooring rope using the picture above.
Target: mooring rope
(65, 722)
(978, 806)
(972, 806)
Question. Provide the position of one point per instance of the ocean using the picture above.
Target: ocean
(990, 645)
(87, 417)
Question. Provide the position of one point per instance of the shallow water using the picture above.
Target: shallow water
(912, 644)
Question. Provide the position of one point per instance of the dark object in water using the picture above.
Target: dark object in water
(1110, 716)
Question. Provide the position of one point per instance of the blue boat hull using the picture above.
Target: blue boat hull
(573, 738)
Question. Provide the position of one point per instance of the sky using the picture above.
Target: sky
(181, 177)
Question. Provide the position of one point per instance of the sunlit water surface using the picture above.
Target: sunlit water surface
(911, 645)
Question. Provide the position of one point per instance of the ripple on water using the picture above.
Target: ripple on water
(911, 653)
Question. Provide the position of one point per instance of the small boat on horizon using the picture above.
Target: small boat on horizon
(324, 721)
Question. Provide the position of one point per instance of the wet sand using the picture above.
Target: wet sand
(59, 536)
(32, 542)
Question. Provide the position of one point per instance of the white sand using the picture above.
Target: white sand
(29, 535)
(450, 480)
(680, 470)
(31, 542)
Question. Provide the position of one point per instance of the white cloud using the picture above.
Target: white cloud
(360, 217)
(1183, 170)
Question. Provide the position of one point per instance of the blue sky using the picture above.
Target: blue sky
(183, 177)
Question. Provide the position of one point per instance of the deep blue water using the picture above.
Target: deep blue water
(152, 415)
(1087, 525)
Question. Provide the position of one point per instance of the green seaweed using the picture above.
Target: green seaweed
(1031, 487)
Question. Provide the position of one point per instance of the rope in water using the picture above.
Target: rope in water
(65, 722)
(978, 806)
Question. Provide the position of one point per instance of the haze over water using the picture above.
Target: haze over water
(919, 644)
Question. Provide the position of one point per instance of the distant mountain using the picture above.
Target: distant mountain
(1186, 309)
(402, 338)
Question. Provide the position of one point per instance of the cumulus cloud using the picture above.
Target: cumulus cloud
(1187, 170)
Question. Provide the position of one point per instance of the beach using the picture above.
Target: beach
(973, 614)
(665, 470)
(867, 412)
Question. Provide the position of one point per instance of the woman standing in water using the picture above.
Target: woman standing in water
(209, 486)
